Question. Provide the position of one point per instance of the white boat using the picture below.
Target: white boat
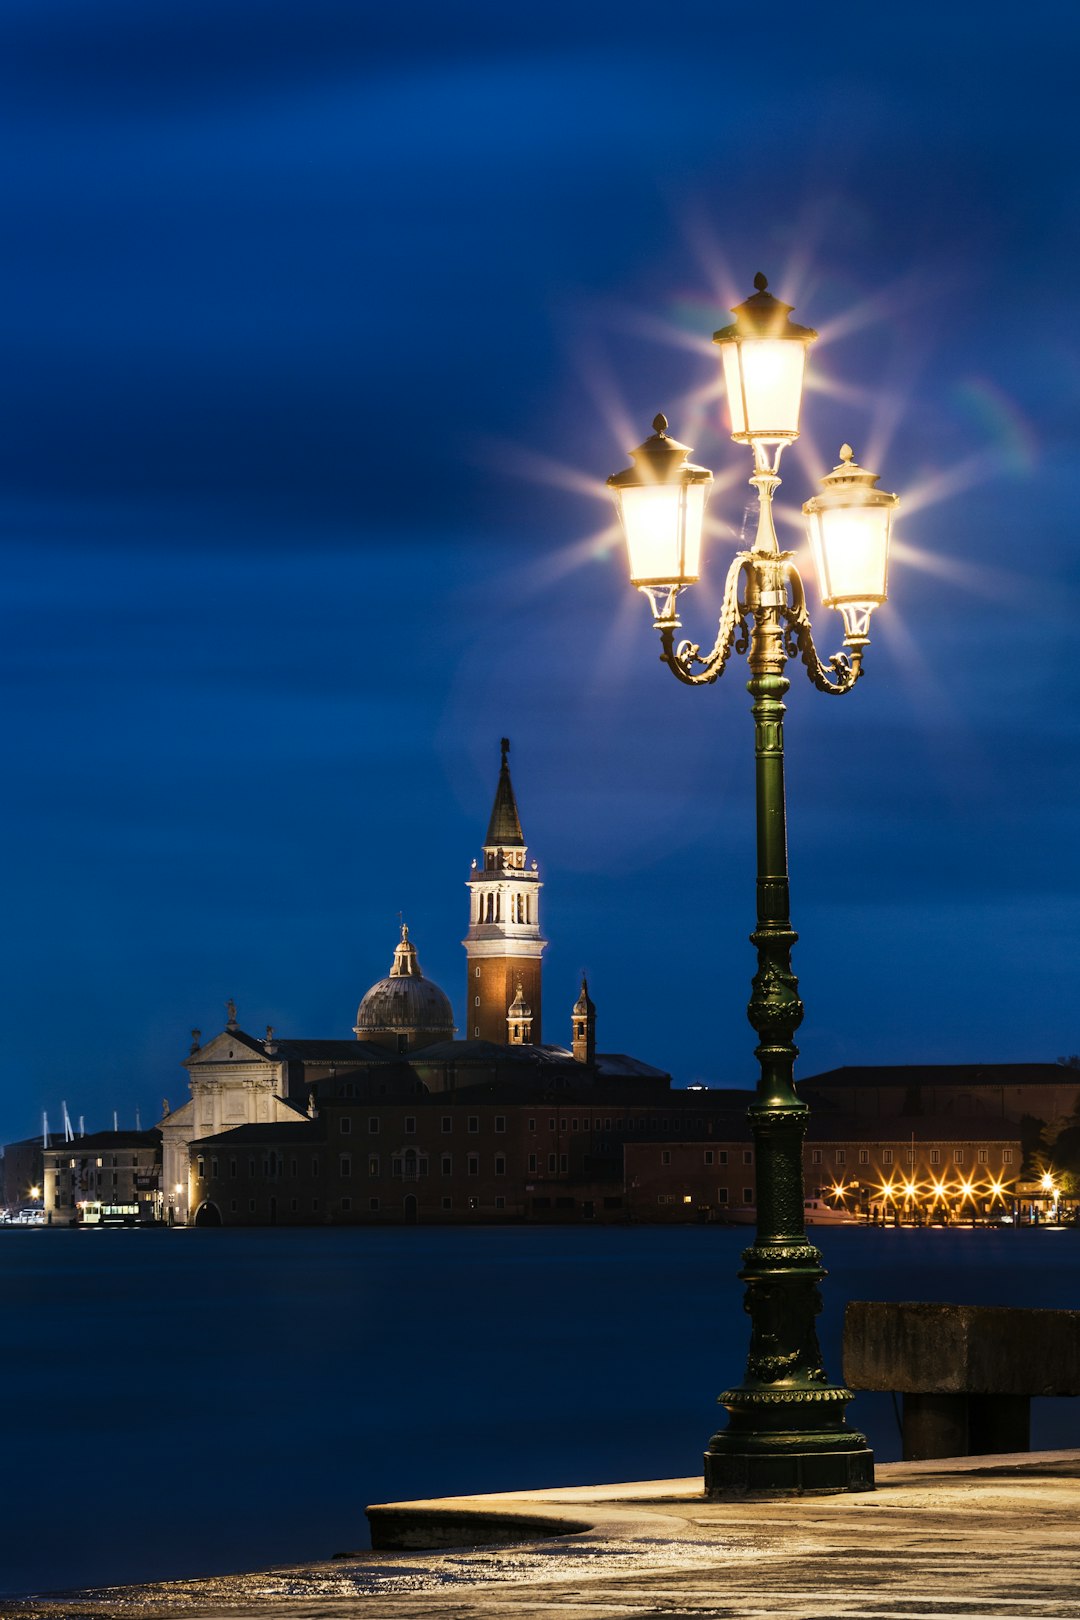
(816, 1212)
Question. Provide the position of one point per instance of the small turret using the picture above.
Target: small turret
(519, 1020)
(584, 1026)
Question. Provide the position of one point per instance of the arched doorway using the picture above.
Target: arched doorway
(410, 1209)
(208, 1215)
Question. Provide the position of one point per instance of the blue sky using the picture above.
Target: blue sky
(319, 333)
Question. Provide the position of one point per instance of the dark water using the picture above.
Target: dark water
(192, 1402)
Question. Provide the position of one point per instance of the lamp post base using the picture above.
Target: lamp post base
(788, 1464)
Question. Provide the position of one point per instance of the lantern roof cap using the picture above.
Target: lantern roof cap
(763, 316)
(660, 459)
(849, 479)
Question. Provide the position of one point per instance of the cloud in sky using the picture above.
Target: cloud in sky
(293, 303)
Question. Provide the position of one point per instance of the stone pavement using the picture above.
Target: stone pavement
(981, 1538)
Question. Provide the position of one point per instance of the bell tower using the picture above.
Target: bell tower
(503, 945)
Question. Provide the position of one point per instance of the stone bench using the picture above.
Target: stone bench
(966, 1372)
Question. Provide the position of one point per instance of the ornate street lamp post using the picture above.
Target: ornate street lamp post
(786, 1431)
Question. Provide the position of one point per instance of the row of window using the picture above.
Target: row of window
(910, 1154)
(721, 1197)
(114, 1160)
(472, 1124)
(711, 1156)
(345, 1205)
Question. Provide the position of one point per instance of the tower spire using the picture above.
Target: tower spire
(504, 828)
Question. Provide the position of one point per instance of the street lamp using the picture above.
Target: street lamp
(786, 1431)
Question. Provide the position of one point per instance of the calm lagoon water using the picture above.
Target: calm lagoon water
(180, 1403)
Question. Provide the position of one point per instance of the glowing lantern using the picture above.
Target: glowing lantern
(661, 502)
(849, 525)
(764, 355)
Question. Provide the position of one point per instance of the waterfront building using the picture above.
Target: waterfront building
(914, 1166)
(106, 1178)
(22, 1170)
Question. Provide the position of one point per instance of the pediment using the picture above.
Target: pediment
(231, 1046)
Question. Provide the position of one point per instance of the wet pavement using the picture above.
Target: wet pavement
(993, 1538)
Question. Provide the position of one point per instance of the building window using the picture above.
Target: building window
(474, 1164)
(935, 1156)
(232, 1168)
(251, 1206)
(958, 1155)
(200, 1168)
(748, 1157)
(573, 1124)
(886, 1156)
(553, 1164)
(864, 1156)
(213, 1169)
(815, 1156)
(476, 1031)
(665, 1157)
(500, 1164)
(346, 1205)
(292, 1168)
(315, 1205)
(721, 1157)
(500, 1201)
(448, 1203)
(373, 1205)
(315, 1166)
(345, 1164)
(721, 1195)
(373, 1164)
(294, 1205)
(982, 1155)
(532, 1124)
(841, 1155)
(373, 1125)
(500, 1123)
(410, 1125)
(909, 1154)
(708, 1156)
(564, 1163)
(1006, 1157)
(474, 1124)
(748, 1195)
(234, 1205)
(532, 1164)
(345, 1124)
(476, 1001)
(478, 973)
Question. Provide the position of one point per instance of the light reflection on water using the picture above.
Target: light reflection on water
(200, 1402)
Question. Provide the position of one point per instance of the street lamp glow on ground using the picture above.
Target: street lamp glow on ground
(786, 1431)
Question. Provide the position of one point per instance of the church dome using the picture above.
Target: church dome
(405, 1009)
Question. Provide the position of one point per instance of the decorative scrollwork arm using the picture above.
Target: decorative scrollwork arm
(685, 660)
(843, 670)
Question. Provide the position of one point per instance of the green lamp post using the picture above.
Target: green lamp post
(786, 1431)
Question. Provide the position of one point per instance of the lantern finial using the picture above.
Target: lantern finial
(761, 282)
(659, 423)
(846, 453)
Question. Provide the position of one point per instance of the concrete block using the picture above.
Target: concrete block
(914, 1348)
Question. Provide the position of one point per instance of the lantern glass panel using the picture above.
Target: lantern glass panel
(663, 524)
(850, 545)
(764, 381)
